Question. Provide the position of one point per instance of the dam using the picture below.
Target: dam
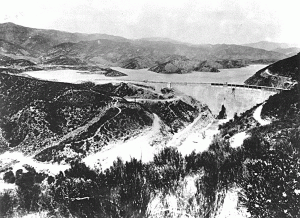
(236, 98)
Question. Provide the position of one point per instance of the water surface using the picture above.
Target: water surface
(235, 75)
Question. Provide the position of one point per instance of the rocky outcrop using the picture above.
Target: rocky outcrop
(222, 114)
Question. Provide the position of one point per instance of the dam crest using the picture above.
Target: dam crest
(236, 98)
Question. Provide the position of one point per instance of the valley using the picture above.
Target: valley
(93, 125)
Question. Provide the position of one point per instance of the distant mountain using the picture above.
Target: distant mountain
(283, 74)
(283, 48)
(288, 51)
(64, 48)
(138, 54)
(161, 39)
(40, 40)
(269, 46)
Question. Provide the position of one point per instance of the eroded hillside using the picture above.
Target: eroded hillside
(57, 120)
(259, 177)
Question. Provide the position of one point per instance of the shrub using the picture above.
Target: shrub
(272, 181)
(7, 202)
(167, 169)
(9, 177)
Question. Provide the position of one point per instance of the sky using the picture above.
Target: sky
(193, 21)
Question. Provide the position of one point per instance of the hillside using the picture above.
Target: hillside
(269, 46)
(127, 149)
(288, 51)
(64, 48)
(38, 114)
(282, 74)
(10, 62)
(144, 54)
(260, 175)
(40, 40)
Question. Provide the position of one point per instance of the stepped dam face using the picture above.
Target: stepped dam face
(235, 99)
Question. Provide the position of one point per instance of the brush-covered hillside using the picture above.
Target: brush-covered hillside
(52, 120)
(282, 74)
(57, 48)
(257, 178)
(66, 123)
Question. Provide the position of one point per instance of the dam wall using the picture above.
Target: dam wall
(235, 98)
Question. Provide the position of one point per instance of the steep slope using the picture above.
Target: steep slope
(258, 178)
(261, 172)
(9, 48)
(8, 61)
(282, 74)
(60, 121)
(269, 156)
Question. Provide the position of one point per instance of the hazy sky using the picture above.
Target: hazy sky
(194, 21)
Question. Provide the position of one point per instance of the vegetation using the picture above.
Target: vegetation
(268, 174)
(64, 49)
(239, 123)
(176, 114)
(282, 74)
(265, 168)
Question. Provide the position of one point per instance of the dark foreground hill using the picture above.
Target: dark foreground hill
(282, 74)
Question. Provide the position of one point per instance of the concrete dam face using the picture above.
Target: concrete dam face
(235, 99)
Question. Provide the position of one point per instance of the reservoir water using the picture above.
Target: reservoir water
(234, 75)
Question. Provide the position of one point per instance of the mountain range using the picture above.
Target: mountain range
(51, 47)
(284, 48)
(67, 134)
(119, 149)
